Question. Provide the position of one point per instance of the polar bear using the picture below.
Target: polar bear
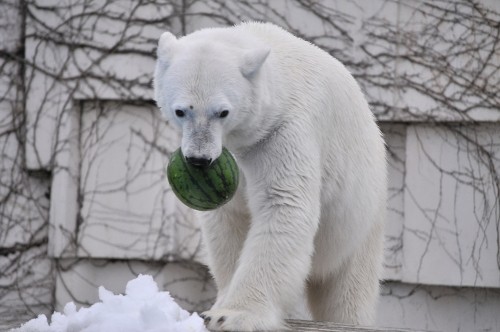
(309, 213)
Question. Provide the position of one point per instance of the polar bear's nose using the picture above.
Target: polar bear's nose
(200, 162)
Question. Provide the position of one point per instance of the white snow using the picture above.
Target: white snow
(142, 308)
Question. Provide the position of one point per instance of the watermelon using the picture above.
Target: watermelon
(203, 188)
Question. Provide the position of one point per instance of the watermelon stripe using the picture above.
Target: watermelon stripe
(220, 172)
(229, 167)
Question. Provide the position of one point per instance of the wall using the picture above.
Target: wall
(83, 148)
(27, 278)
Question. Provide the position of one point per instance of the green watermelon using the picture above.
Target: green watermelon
(203, 188)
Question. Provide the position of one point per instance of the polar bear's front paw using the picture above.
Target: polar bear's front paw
(239, 320)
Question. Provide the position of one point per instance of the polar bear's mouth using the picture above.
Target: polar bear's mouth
(199, 162)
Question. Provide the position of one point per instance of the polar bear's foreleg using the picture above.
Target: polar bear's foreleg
(350, 294)
(224, 231)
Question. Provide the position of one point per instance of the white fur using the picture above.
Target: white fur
(309, 212)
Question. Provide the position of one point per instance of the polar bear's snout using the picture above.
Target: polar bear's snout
(201, 140)
(201, 144)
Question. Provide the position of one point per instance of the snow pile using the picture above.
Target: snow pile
(142, 308)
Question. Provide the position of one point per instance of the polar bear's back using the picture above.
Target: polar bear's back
(278, 38)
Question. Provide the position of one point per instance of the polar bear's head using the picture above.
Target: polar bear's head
(208, 88)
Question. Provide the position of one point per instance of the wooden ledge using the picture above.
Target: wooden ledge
(311, 326)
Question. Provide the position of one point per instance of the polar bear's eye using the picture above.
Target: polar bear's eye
(180, 113)
(223, 114)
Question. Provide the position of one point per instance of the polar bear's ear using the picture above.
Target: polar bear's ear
(166, 46)
(253, 60)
